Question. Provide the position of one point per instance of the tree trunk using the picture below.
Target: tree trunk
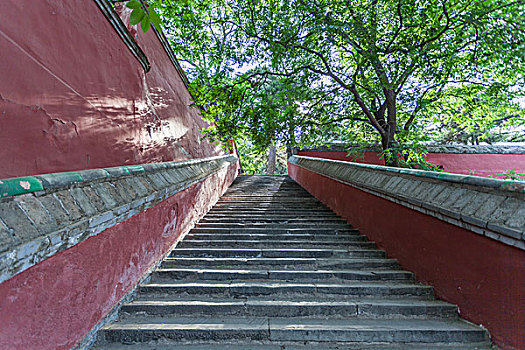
(270, 168)
(391, 158)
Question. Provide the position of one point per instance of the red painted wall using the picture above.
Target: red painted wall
(458, 163)
(55, 303)
(485, 278)
(73, 96)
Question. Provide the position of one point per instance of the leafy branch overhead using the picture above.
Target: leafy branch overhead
(145, 16)
(389, 71)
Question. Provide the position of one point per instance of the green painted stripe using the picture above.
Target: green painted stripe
(19, 185)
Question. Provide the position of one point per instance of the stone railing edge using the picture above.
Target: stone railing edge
(53, 181)
(496, 184)
(37, 233)
(507, 193)
(432, 148)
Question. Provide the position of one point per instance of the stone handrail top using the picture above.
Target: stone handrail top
(495, 184)
(53, 181)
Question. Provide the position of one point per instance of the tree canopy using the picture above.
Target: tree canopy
(387, 71)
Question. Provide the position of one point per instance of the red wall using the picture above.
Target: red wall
(55, 303)
(485, 278)
(458, 163)
(73, 96)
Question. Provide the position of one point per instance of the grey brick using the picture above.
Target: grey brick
(488, 207)
(83, 201)
(424, 190)
(68, 202)
(156, 181)
(104, 194)
(7, 238)
(99, 219)
(474, 203)
(473, 220)
(146, 183)
(38, 214)
(506, 210)
(505, 230)
(124, 191)
(17, 221)
(434, 191)
(53, 206)
(137, 186)
(517, 220)
(113, 192)
(453, 200)
(94, 199)
(442, 197)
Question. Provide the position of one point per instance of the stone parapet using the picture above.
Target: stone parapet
(43, 215)
(490, 207)
(518, 148)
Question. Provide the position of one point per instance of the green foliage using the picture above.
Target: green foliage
(510, 174)
(394, 72)
(145, 16)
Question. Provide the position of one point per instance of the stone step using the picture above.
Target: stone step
(271, 220)
(269, 237)
(280, 263)
(277, 253)
(269, 211)
(276, 225)
(167, 274)
(275, 231)
(279, 215)
(304, 345)
(281, 288)
(295, 308)
(278, 243)
(148, 329)
(269, 207)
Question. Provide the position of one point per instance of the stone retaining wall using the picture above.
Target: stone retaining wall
(43, 215)
(489, 207)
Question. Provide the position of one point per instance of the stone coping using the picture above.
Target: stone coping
(28, 184)
(446, 148)
(490, 207)
(43, 215)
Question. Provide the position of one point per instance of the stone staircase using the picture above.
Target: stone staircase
(270, 267)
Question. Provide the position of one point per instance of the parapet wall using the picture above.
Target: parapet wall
(75, 245)
(61, 210)
(481, 160)
(490, 207)
(464, 235)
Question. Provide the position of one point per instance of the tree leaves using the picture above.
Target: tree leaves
(145, 18)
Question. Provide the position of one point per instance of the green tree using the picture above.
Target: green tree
(368, 69)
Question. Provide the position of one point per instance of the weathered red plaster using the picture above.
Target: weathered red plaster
(73, 96)
(482, 164)
(54, 304)
(485, 278)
